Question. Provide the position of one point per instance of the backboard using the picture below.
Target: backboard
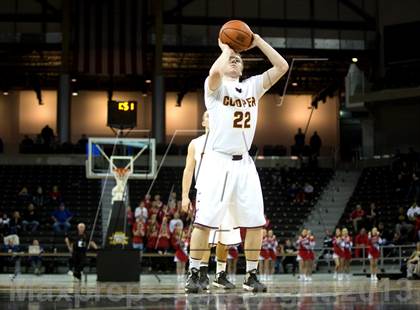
(138, 155)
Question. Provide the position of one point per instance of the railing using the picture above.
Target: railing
(392, 253)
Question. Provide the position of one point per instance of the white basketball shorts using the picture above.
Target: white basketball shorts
(226, 235)
(227, 186)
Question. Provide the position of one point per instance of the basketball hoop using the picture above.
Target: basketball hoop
(121, 176)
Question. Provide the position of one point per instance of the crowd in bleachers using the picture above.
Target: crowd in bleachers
(157, 226)
(33, 219)
(388, 198)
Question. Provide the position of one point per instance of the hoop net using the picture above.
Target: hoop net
(121, 174)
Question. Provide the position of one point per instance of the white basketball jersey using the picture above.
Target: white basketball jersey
(233, 112)
(198, 150)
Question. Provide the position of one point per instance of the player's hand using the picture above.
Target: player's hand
(185, 205)
(255, 39)
(224, 46)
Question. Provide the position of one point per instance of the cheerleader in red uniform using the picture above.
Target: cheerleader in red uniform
(374, 252)
(180, 242)
(304, 254)
(337, 253)
(271, 246)
(345, 245)
(164, 237)
(263, 254)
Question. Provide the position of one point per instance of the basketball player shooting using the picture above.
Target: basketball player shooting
(223, 238)
(228, 182)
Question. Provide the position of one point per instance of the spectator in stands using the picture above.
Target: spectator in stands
(371, 216)
(413, 210)
(413, 263)
(413, 213)
(24, 198)
(26, 145)
(176, 221)
(414, 190)
(139, 232)
(147, 201)
(300, 195)
(315, 143)
(164, 237)
(156, 201)
(55, 196)
(35, 259)
(4, 224)
(179, 205)
(30, 219)
(130, 218)
(163, 212)
(398, 239)
(39, 199)
(78, 244)
(11, 246)
(61, 218)
(81, 144)
(417, 227)
(141, 212)
(357, 217)
(299, 142)
(403, 226)
(309, 190)
(384, 233)
(152, 234)
(362, 242)
(15, 223)
(172, 197)
(172, 208)
(47, 135)
(1, 146)
(289, 252)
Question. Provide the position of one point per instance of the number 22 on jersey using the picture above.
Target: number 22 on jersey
(241, 119)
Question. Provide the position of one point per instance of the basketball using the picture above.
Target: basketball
(237, 35)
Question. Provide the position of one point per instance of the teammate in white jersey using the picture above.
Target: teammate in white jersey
(228, 182)
(222, 238)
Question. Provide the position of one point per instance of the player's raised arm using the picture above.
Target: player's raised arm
(280, 65)
(216, 70)
(187, 177)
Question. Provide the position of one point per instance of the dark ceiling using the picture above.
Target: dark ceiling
(184, 67)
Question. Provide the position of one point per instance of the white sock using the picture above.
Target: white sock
(251, 265)
(194, 263)
(220, 266)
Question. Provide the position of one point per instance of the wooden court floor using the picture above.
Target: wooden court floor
(166, 292)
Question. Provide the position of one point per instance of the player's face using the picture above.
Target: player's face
(235, 66)
(205, 120)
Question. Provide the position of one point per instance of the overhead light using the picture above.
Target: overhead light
(148, 81)
(5, 93)
(75, 93)
(354, 59)
(341, 113)
(144, 94)
(294, 84)
(74, 80)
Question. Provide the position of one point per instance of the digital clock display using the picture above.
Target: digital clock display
(122, 114)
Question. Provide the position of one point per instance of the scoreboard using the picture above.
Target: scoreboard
(122, 114)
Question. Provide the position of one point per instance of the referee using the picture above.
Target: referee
(78, 245)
